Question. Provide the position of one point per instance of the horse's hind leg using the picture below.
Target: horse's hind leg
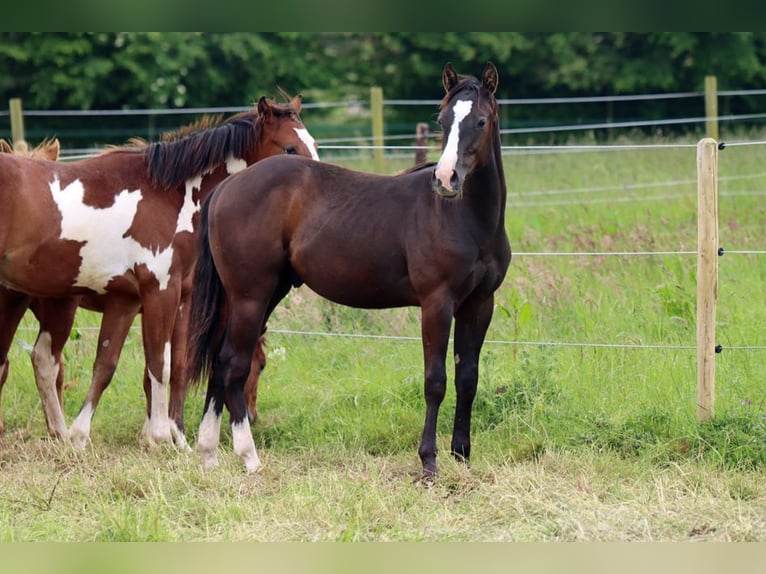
(178, 379)
(12, 308)
(118, 315)
(158, 315)
(56, 317)
(471, 324)
(227, 381)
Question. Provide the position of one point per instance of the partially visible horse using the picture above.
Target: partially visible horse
(433, 237)
(47, 149)
(116, 233)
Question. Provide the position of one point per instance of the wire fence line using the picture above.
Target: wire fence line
(628, 187)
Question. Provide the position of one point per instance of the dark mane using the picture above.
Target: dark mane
(200, 147)
(185, 154)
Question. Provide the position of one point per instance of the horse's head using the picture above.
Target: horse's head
(469, 121)
(282, 130)
(48, 149)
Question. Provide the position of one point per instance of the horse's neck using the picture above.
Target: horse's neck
(490, 199)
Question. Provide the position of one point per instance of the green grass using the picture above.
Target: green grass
(570, 441)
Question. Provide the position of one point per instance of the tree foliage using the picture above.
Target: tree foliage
(110, 70)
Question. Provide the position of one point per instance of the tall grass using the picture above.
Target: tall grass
(584, 421)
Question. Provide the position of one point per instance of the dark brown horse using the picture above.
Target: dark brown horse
(433, 237)
(116, 233)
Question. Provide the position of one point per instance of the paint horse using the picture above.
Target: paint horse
(117, 233)
(433, 237)
(48, 150)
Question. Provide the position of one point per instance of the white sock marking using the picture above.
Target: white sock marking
(244, 446)
(46, 370)
(209, 433)
(79, 432)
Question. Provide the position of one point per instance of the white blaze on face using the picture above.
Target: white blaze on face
(448, 159)
(309, 141)
(106, 252)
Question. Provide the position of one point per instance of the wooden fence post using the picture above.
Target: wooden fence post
(707, 274)
(17, 119)
(376, 109)
(711, 107)
(421, 139)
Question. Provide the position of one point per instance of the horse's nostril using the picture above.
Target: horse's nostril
(454, 181)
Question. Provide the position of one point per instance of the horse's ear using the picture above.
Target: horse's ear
(449, 77)
(264, 109)
(295, 103)
(5, 147)
(489, 77)
(54, 148)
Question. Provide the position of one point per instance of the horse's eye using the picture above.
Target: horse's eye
(290, 150)
(482, 122)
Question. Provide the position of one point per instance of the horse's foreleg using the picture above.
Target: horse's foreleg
(118, 315)
(251, 386)
(435, 328)
(12, 308)
(56, 317)
(471, 323)
(159, 308)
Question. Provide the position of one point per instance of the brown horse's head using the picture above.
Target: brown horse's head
(469, 120)
(282, 130)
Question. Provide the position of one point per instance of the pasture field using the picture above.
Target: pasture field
(592, 437)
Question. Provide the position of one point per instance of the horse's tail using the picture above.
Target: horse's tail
(208, 315)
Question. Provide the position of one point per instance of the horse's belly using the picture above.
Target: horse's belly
(359, 284)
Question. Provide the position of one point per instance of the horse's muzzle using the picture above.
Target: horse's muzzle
(454, 185)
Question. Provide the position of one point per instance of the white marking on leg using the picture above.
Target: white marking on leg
(209, 433)
(308, 141)
(448, 159)
(157, 426)
(46, 370)
(244, 446)
(79, 432)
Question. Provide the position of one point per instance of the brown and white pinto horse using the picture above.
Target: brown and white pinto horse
(116, 233)
(433, 237)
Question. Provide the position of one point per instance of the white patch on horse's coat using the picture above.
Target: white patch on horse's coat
(46, 371)
(308, 140)
(106, 252)
(244, 446)
(189, 207)
(79, 432)
(209, 432)
(235, 164)
(448, 159)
